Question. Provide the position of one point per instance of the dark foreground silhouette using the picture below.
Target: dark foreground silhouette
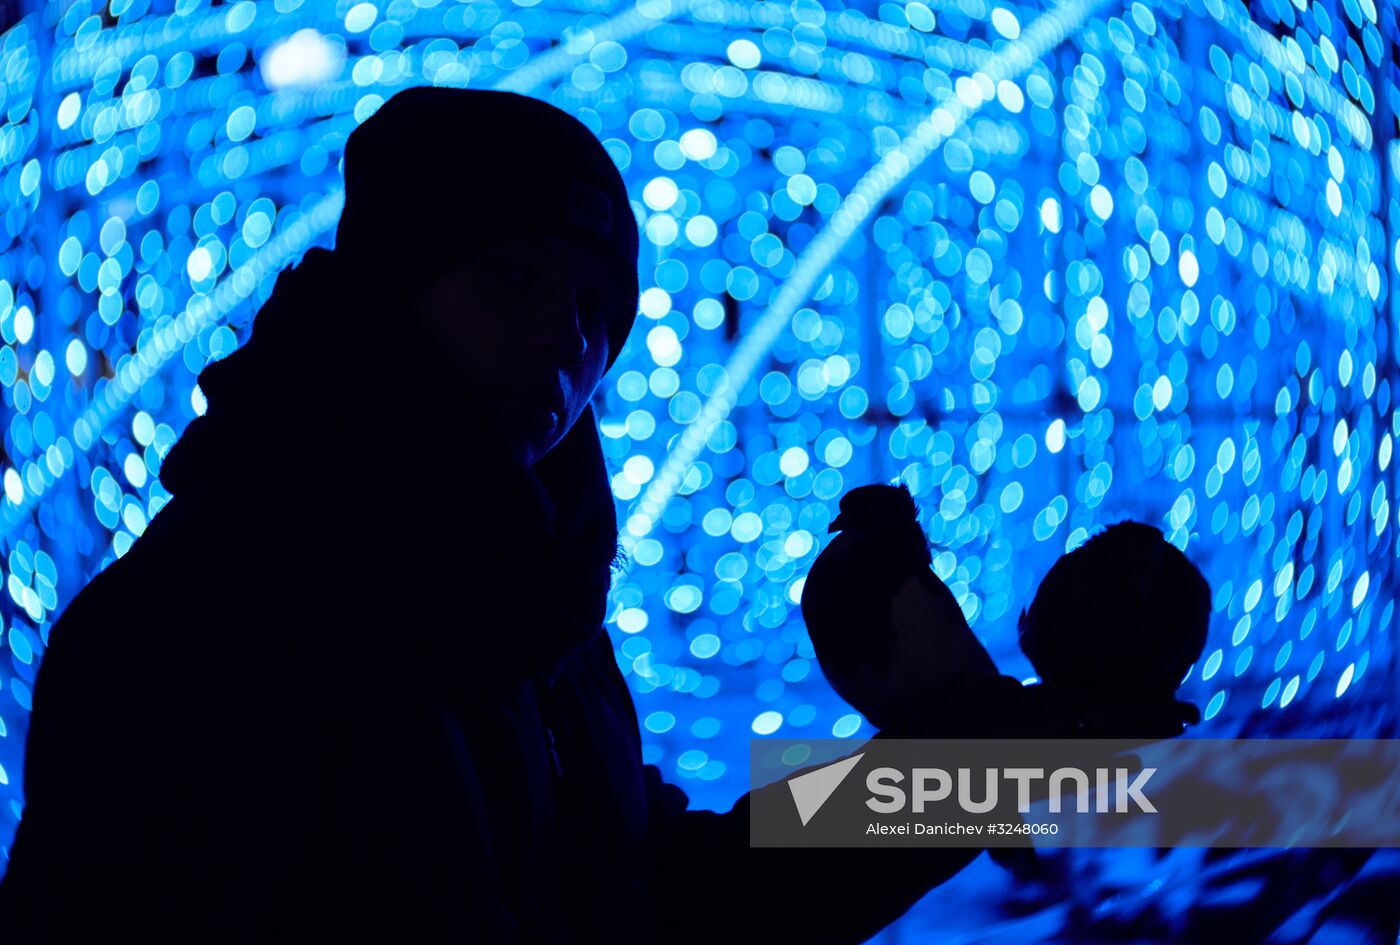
(352, 681)
(1112, 629)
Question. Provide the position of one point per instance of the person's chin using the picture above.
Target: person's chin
(533, 421)
(536, 447)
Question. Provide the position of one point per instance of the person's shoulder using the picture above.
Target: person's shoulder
(1004, 707)
(1041, 710)
(172, 592)
(138, 582)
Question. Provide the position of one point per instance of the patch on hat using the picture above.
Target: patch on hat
(590, 209)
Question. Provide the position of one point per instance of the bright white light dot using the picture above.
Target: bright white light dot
(660, 193)
(69, 110)
(745, 54)
(70, 255)
(29, 177)
(1088, 394)
(969, 91)
(143, 428)
(1162, 393)
(802, 189)
(793, 461)
(795, 590)
(1006, 23)
(14, 486)
(96, 177)
(1302, 131)
(76, 357)
(1055, 436)
(638, 469)
(1188, 267)
(134, 469)
(1010, 96)
(1358, 593)
(797, 544)
(1334, 198)
(43, 369)
(306, 58)
(767, 722)
(664, 346)
(1345, 681)
(701, 230)
(699, 144)
(24, 324)
(1101, 201)
(632, 620)
(661, 229)
(1050, 214)
(655, 302)
(747, 526)
(200, 264)
(361, 17)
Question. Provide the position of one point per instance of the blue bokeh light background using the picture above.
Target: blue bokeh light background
(1052, 265)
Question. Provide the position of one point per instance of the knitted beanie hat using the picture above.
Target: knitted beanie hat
(439, 174)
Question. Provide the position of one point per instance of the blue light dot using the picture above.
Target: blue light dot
(846, 726)
(361, 17)
(1217, 702)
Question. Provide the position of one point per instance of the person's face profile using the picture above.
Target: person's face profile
(525, 323)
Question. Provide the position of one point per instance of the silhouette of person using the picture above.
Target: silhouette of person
(1112, 630)
(352, 682)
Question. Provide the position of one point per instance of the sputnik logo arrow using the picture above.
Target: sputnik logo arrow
(811, 790)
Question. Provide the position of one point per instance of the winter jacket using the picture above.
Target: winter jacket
(352, 684)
